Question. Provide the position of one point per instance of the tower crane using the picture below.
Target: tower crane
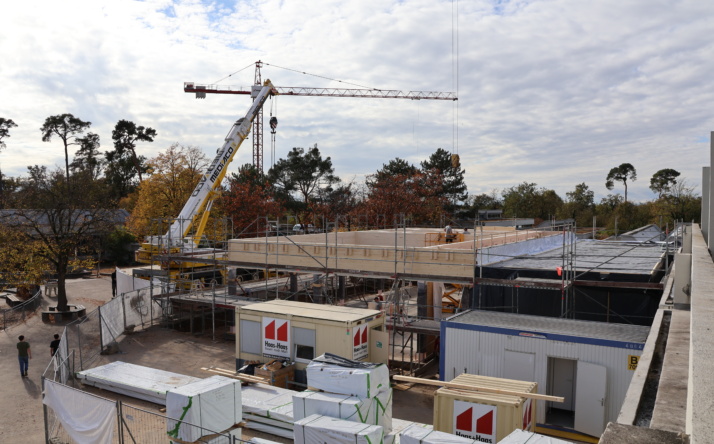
(185, 233)
(201, 90)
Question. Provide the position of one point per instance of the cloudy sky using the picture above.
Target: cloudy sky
(554, 92)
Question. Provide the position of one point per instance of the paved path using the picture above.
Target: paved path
(21, 418)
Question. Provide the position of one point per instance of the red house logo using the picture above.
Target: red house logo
(475, 421)
(280, 333)
(360, 342)
(527, 414)
(276, 338)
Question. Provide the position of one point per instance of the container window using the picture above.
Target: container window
(250, 338)
(304, 340)
(304, 353)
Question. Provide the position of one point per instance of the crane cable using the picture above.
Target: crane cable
(455, 71)
(322, 77)
(236, 72)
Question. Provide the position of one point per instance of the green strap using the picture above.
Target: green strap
(175, 430)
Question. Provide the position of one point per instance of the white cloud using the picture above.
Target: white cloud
(555, 92)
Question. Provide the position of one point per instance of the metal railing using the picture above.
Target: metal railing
(20, 312)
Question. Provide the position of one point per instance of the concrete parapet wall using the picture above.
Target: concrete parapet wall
(700, 402)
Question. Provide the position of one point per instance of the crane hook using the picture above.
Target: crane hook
(273, 124)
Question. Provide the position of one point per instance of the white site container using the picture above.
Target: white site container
(318, 429)
(590, 364)
(298, 332)
(375, 411)
(360, 382)
(204, 407)
(424, 434)
(524, 437)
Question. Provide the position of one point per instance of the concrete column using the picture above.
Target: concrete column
(232, 282)
(293, 283)
(705, 203)
(422, 302)
(710, 218)
(341, 288)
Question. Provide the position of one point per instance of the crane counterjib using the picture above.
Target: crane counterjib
(214, 175)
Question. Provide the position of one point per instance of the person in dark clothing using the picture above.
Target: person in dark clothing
(54, 345)
(114, 283)
(24, 354)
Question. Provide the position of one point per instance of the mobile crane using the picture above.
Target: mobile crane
(194, 215)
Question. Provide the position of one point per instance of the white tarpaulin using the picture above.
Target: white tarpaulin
(376, 410)
(87, 419)
(141, 382)
(323, 429)
(425, 434)
(360, 382)
(522, 437)
(269, 401)
(203, 407)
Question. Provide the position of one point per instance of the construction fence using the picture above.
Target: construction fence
(20, 312)
(109, 421)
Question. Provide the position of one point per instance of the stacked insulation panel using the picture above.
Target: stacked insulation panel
(269, 409)
(203, 407)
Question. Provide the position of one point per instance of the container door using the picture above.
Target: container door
(590, 391)
(379, 346)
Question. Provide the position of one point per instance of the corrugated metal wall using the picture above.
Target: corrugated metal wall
(481, 353)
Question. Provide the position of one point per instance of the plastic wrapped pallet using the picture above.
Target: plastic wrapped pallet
(334, 374)
(376, 411)
(202, 407)
(133, 380)
(323, 429)
(523, 437)
(268, 401)
(423, 434)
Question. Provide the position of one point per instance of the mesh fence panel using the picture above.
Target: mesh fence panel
(20, 312)
(84, 336)
(137, 307)
(112, 321)
(143, 426)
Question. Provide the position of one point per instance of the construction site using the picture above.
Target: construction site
(531, 335)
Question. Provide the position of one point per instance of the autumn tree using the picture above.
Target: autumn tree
(398, 189)
(68, 128)
(21, 259)
(663, 181)
(621, 173)
(62, 226)
(174, 175)
(125, 135)
(453, 184)
(249, 201)
(298, 178)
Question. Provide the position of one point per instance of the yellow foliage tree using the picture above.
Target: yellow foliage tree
(174, 174)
